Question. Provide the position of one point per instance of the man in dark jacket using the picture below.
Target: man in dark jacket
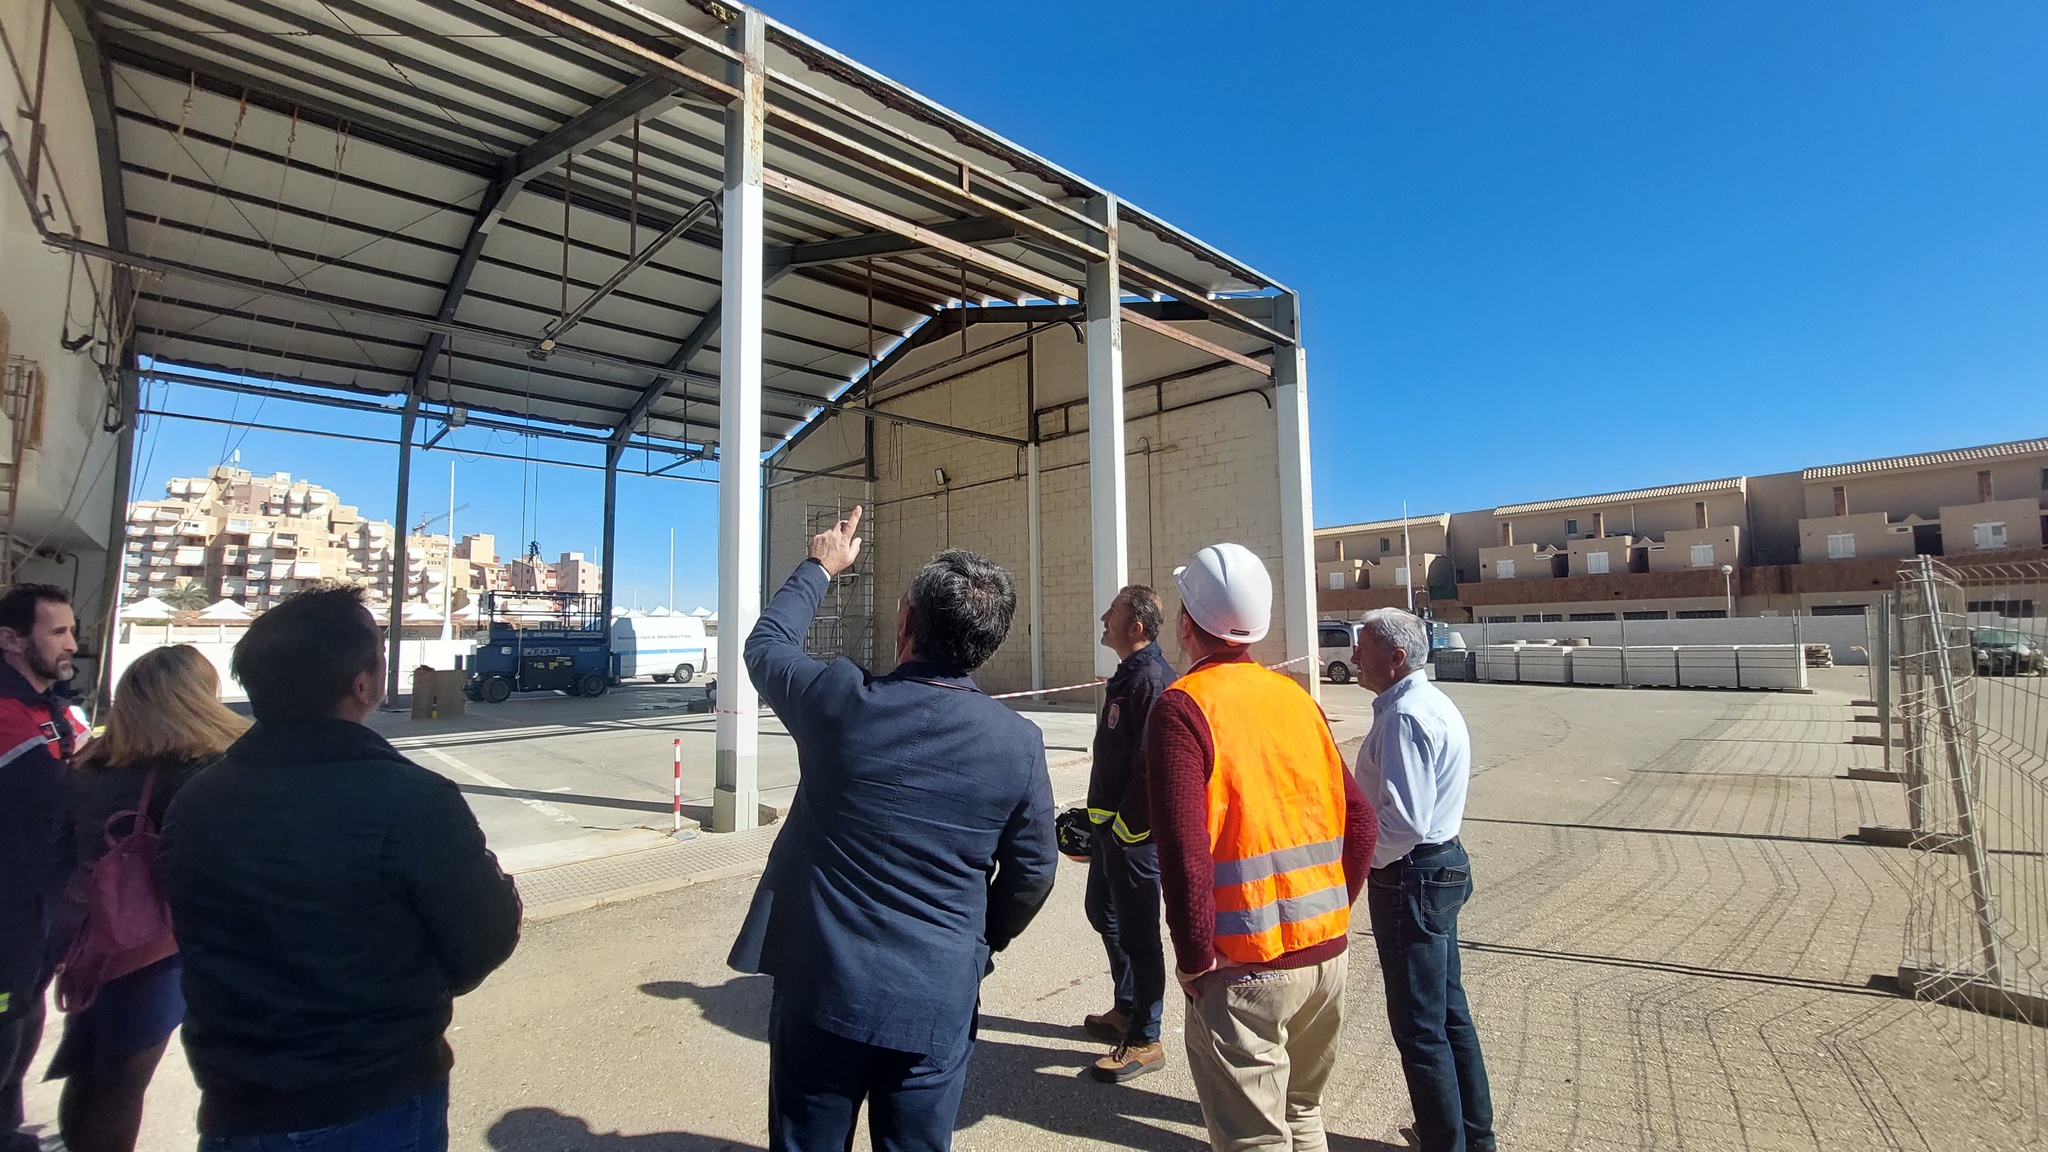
(1123, 868)
(332, 899)
(920, 842)
(41, 728)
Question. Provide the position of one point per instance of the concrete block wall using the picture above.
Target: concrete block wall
(1203, 471)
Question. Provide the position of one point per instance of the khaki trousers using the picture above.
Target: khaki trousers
(1260, 1047)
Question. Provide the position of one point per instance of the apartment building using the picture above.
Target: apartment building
(256, 539)
(251, 539)
(1381, 554)
(1824, 540)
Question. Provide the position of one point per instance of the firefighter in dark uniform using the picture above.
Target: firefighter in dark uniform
(1123, 864)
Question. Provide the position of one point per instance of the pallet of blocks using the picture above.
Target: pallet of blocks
(1596, 664)
(1497, 662)
(1652, 666)
(1709, 666)
(1780, 666)
(1820, 656)
(1544, 664)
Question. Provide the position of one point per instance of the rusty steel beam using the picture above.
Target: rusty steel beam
(620, 48)
(1133, 316)
(1047, 286)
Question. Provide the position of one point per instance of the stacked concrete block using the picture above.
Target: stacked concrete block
(1709, 666)
(1770, 666)
(1597, 664)
(1653, 666)
(1497, 662)
(1544, 664)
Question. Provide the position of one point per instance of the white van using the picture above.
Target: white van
(664, 647)
(1334, 641)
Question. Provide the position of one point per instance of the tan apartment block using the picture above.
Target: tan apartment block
(1338, 575)
(1601, 555)
(1640, 512)
(1859, 536)
(1932, 493)
(1697, 548)
(1993, 526)
(1379, 539)
(1392, 572)
(1519, 562)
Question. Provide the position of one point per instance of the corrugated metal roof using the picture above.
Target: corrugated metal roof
(1928, 459)
(1440, 519)
(1635, 496)
(334, 191)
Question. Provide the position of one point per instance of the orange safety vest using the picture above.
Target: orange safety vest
(1276, 812)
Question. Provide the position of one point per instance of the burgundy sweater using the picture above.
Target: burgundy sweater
(1179, 755)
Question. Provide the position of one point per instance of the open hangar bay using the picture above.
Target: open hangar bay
(687, 231)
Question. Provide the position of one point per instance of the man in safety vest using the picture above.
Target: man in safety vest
(1264, 842)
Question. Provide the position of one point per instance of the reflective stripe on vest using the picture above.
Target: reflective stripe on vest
(1276, 813)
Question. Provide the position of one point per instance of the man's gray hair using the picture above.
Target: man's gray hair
(1398, 629)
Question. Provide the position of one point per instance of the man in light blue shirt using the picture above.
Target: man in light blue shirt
(1415, 766)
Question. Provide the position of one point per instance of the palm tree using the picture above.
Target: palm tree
(188, 596)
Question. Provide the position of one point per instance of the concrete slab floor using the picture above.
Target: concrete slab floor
(1671, 945)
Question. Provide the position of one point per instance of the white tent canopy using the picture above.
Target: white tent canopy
(416, 613)
(225, 612)
(147, 608)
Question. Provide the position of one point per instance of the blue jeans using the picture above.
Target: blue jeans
(418, 1125)
(817, 1081)
(1414, 906)
(1122, 902)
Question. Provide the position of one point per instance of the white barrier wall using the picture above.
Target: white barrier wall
(1846, 636)
(218, 646)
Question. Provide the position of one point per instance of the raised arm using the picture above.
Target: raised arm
(776, 661)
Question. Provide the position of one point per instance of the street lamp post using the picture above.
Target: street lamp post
(1728, 587)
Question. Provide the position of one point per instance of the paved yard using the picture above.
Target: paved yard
(1672, 945)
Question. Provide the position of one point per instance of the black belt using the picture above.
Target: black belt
(1451, 843)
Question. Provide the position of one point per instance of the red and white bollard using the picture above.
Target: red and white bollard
(679, 785)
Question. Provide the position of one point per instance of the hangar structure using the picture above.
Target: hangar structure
(680, 229)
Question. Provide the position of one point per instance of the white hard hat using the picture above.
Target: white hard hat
(1228, 592)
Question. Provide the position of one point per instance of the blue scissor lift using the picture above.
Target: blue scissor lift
(542, 642)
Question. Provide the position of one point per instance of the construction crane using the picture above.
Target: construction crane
(420, 529)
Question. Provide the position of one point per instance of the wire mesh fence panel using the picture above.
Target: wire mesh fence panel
(1970, 645)
(845, 623)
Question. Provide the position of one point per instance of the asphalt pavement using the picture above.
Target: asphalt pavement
(1676, 942)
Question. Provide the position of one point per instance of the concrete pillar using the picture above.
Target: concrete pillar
(117, 535)
(612, 453)
(1297, 576)
(408, 420)
(1109, 537)
(735, 803)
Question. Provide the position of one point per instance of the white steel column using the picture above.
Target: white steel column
(1031, 507)
(1109, 550)
(735, 801)
(1297, 512)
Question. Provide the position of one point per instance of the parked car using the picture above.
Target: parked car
(1335, 640)
(2002, 652)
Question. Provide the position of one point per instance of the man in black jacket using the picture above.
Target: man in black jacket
(40, 730)
(332, 898)
(920, 842)
(1122, 901)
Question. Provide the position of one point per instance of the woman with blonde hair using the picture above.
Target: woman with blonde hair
(166, 724)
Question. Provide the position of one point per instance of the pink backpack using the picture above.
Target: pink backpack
(127, 923)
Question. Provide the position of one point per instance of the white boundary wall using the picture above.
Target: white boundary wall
(218, 646)
(1846, 636)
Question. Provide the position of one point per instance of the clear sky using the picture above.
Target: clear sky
(1544, 250)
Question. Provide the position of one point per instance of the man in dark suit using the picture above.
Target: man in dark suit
(920, 842)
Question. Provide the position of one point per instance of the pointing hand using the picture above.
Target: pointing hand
(836, 548)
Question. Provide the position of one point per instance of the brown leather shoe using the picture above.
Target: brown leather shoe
(1108, 1027)
(1129, 1061)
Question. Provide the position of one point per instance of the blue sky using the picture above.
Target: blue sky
(1543, 249)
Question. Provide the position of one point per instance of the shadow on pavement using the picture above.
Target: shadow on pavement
(546, 1130)
(740, 1005)
(1044, 1088)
